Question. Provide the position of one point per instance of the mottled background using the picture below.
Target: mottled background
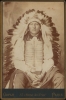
(12, 10)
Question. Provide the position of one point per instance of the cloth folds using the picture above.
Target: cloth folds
(52, 79)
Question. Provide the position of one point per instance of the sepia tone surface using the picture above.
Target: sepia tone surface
(54, 12)
(12, 10)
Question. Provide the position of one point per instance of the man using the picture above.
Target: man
(33, 54)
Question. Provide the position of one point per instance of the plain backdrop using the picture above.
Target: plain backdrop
(12, 11)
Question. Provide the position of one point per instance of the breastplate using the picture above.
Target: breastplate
(34, 53)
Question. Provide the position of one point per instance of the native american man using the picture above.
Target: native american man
(33, 52)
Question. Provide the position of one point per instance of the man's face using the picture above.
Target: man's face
(34, 27)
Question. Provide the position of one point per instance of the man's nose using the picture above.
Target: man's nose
(34, 26)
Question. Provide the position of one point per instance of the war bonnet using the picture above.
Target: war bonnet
(14, 50)
(20, 29)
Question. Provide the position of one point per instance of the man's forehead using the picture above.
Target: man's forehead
(34, 22)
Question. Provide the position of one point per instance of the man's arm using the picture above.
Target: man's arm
(19, 64)
(45, 67)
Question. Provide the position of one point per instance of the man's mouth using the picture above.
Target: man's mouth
(34, 30)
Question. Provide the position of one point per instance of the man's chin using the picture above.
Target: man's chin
(34, 33)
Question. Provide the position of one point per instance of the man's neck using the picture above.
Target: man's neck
(34, 35)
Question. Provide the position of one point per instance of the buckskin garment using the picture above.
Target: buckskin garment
(34, 56)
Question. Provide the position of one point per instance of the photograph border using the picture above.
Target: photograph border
(1, 32)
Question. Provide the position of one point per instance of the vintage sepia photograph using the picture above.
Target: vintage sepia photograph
(33, 45)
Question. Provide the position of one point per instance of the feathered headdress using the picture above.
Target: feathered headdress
(15, 43)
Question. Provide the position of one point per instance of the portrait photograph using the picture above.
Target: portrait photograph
(33, 50)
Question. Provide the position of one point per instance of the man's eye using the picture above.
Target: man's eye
(37, 24)
(31, 23)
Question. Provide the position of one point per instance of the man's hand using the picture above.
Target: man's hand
(35, 81)
(32, 76)
(40, 77)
